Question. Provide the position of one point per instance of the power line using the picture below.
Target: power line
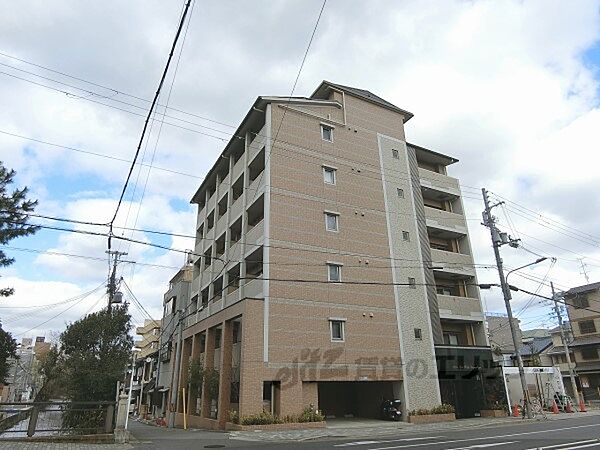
(60, 313)
(115, 91)
(160, 84)
(312, 36)
(100, 155)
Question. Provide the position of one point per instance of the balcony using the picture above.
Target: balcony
(440, 183)
(255, 235)
(238, 169)
(454, 264)
(460, 308)
(254, 288)
(444, 224)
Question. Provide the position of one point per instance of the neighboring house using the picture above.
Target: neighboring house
(500, 336)
(146, 364)
(177, 297)
(24, 379)
(534, 333)
(583, 306)
(558, 358)
(332, 267)
(532, 352)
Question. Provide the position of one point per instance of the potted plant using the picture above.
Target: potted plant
(495, 409)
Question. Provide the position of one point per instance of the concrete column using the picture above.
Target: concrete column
(209, 356)
(225, 372)
(121, 412)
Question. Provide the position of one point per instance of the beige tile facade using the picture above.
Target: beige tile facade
(263, 250)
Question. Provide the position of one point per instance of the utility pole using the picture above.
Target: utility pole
(175, 371)
(583, 271)
(565, 344)
(112, 283)
(499, 239)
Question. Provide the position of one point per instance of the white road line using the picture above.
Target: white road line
(548, 447)
(351, 444)
(495, 444)
(482, 438)
(595, 444)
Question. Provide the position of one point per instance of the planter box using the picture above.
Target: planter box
(274, 427)
(432, 418)
(494, 413)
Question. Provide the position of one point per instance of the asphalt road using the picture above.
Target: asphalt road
(566, 434)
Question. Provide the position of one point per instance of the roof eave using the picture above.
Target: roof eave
(406, 114)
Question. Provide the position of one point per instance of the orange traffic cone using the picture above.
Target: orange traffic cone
(582, 406)
(569, 408)
(515, 411)
(554, 407)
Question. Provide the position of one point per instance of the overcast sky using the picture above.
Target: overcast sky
(510, 88)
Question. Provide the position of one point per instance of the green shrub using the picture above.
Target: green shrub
(310, 415)
(440, 409)
(263, 418)
(234, 416)
(497, 406)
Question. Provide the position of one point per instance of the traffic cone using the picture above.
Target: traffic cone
(569, 408)
(582, 406)
(515, 411)
(554, 407)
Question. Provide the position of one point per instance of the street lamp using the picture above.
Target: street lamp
(537, 261)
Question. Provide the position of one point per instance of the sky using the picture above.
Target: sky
(510, 88)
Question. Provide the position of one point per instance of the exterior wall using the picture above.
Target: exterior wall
(286, 336)
(419, 391)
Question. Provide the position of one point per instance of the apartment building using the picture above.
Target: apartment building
(175, 298)
(333, 267)
(583, 307)
(500, 338)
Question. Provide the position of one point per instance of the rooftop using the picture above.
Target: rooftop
(582, 289)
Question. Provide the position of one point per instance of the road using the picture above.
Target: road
(566, 434)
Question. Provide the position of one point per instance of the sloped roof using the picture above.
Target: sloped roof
(585, 340)
(535, 333)
(537, 345)
(581, 289)
(365, 95)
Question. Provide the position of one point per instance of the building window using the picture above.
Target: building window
(334, 272)
(587, 326)
(405, 236)
(327, 133)
(400, 192)
(336, 327)
(589, 353)
(395, 154)
(450, 339)
(412, 283)
(329, 175)
(418, 334)
(580, 302)
(331, 221)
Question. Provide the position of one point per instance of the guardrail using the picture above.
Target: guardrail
(56, 418)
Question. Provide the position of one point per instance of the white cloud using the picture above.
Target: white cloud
(502, 86)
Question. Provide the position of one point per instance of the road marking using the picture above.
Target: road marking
(581, 446)
(483, 445)
(563, 444)
(481, 438)
(351, 444)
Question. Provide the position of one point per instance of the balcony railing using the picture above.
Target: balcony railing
(437, 181)
(464, 308)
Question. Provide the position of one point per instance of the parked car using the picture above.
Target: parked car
(391, 410)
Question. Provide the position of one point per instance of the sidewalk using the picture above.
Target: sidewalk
(377, 428)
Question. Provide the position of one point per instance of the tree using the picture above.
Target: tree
(95, 352)
(8, 349)
(14, 207)
(14, 210)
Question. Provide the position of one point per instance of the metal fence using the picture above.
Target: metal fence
(55, 418)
